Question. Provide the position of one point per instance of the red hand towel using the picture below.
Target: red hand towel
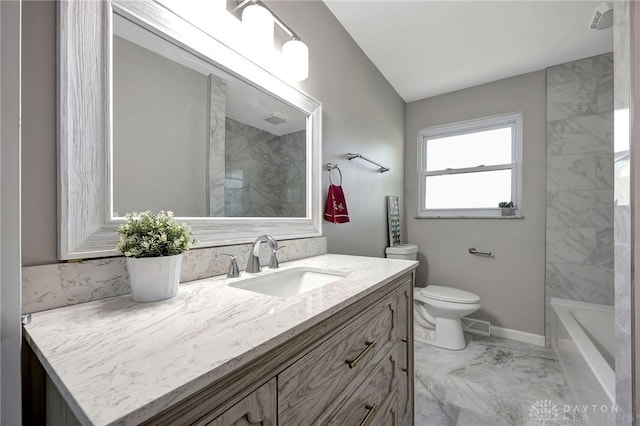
(336, 209)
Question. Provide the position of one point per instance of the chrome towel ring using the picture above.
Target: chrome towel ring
(331, 167)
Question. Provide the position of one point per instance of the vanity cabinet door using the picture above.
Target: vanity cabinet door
(258, 408)
(405, 354)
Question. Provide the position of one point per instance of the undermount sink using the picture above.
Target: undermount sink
(289, 282)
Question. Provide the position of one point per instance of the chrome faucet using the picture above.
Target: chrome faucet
(253, 260)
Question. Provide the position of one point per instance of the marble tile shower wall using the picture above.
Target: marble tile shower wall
(622, 210)
(264, 173)
(579, 248)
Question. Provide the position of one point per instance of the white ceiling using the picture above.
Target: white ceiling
(425, 48)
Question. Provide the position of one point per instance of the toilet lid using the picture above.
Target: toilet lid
(448, 294)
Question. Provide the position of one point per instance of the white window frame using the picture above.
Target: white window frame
(513, 120)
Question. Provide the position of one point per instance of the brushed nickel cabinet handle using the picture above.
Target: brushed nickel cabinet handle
(352, 363)
(372, 410)
(406, 369)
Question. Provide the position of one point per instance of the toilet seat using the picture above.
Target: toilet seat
(446, 294)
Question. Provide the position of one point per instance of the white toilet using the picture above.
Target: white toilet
(437, 309)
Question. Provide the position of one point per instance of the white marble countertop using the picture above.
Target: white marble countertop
(116, 361)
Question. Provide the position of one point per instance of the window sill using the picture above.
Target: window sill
(468, 217)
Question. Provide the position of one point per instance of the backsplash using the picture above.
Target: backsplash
(63, 284)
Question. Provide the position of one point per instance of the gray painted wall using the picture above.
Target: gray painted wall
(10, 271)
(39, 191)
(511, 285)
(361, 113)
(160, 129)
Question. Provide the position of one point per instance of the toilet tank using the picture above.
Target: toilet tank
(403, 251)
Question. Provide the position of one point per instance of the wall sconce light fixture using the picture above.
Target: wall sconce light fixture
(258, 26)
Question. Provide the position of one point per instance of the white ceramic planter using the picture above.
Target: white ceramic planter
(154, 278)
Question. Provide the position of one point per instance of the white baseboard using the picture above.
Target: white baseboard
(520, 336)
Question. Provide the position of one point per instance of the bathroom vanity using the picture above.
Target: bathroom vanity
(220, 354)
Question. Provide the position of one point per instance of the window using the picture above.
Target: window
(467, 168)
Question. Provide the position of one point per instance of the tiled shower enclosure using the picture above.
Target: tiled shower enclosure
(579, 248)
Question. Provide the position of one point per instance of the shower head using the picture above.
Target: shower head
(602, 17)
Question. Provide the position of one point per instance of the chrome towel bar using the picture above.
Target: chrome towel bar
(479, 253)
(383, 169)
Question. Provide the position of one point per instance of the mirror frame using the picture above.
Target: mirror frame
(85, 229)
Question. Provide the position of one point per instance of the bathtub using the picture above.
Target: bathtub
(582, 338)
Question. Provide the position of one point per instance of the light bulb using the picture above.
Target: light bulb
(295, 57)
(257, 25)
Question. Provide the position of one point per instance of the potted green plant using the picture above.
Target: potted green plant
(153, 245)
(507, 207)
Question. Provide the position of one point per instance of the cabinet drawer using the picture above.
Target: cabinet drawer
(312, 385)
(370, 404)
(258, 408)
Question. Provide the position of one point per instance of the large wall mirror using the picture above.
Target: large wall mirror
(157, 115)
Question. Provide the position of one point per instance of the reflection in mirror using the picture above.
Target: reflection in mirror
(191, 138)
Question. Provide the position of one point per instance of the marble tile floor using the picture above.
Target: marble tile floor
(493, 382)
